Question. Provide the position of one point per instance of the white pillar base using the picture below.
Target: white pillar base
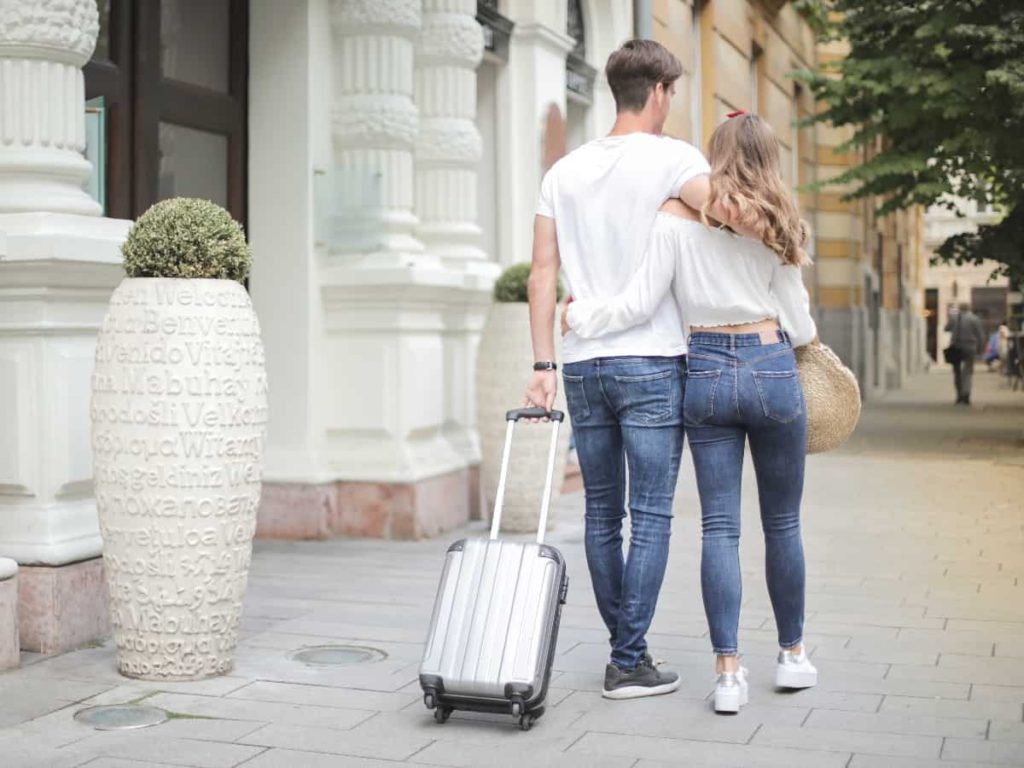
(10, 646)
(385, 364)
(57, 272)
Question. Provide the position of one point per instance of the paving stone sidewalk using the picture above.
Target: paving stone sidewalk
(915, 541)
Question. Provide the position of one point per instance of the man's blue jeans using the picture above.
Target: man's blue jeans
(627, 412)
(739, 389)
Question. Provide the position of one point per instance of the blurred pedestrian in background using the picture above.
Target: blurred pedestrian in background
(992, 351)
(1003, 347)
(967, 340)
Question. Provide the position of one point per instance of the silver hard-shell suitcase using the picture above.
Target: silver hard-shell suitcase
(495, 622)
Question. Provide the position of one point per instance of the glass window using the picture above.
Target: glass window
(488, 174)
(102, 52)
(755, 80)
(575, 28)
(193, 164)
(194, 37)
(696, 79)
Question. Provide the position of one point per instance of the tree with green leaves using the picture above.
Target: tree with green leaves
(934, 90)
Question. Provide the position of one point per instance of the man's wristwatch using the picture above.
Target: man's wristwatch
(545, 365)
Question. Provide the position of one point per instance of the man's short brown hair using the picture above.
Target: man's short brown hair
(635, 68)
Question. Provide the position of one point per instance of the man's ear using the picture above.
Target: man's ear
(655, 96)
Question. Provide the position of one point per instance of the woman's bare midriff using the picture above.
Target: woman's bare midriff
(767, 329)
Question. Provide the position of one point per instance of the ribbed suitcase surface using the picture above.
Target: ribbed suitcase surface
(492, 627)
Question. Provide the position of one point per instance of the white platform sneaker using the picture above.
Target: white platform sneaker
(731, 691)
(795, 671)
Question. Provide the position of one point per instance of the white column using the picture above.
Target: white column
(289, 153)
(609, 25)
(385, 297)
(374, 124)
(448, 151)
(537, 78)
(59, 262)
(448, 51)
(43, 47)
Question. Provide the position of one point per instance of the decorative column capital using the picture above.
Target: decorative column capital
(393, 17)
(448, 142)
(448, 147)
(56, 30)
(450, 40)
(43, 46)
(379, 121)
(374, 122)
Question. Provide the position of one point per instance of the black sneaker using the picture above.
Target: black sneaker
(645, 680)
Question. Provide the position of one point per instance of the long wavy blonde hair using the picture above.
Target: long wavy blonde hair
(746, 180)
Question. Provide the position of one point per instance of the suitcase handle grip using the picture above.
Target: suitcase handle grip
(512, 418)
(534, 413)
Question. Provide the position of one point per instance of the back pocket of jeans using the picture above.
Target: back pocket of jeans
(576, 398)
(780, 393)
(699, 400)
(648, 398)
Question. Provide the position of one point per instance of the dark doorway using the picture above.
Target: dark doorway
(173, 78)
(931, 311)
(989, 303)
(874, 298)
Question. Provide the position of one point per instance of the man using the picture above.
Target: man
(968, 339)
(625, 390)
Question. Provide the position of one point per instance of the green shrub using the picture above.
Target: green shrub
(187, 237)
(511, 286)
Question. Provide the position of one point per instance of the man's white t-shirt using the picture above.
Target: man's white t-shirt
(604, 197)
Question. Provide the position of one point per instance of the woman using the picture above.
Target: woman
(734, 292)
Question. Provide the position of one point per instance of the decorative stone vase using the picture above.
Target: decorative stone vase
(503, 371)
(10, 645)
(179, 411)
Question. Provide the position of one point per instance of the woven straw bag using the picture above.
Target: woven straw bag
(832, 396)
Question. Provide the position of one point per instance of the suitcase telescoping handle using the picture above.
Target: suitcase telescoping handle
(556, 417)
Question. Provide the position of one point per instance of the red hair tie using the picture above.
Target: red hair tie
(737, 113)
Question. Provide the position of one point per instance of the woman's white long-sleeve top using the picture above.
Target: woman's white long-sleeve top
(717, 277)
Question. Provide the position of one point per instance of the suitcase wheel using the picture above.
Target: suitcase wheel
(429, 700)
(517, 709)
(441, 714)
(526, 722)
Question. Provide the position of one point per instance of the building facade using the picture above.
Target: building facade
(380, 202)
(739, 54)
(385, 194)
(947, 285)
(384, 156)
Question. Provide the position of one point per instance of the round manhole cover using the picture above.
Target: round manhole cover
(121, 717)
(338, 655)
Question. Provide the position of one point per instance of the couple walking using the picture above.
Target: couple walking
(675, 323)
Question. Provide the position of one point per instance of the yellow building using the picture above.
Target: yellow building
(867, 273)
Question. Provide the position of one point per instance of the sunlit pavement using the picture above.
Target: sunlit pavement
(914, 534)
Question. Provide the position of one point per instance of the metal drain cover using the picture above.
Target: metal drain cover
(338, 655)
(121, 717)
